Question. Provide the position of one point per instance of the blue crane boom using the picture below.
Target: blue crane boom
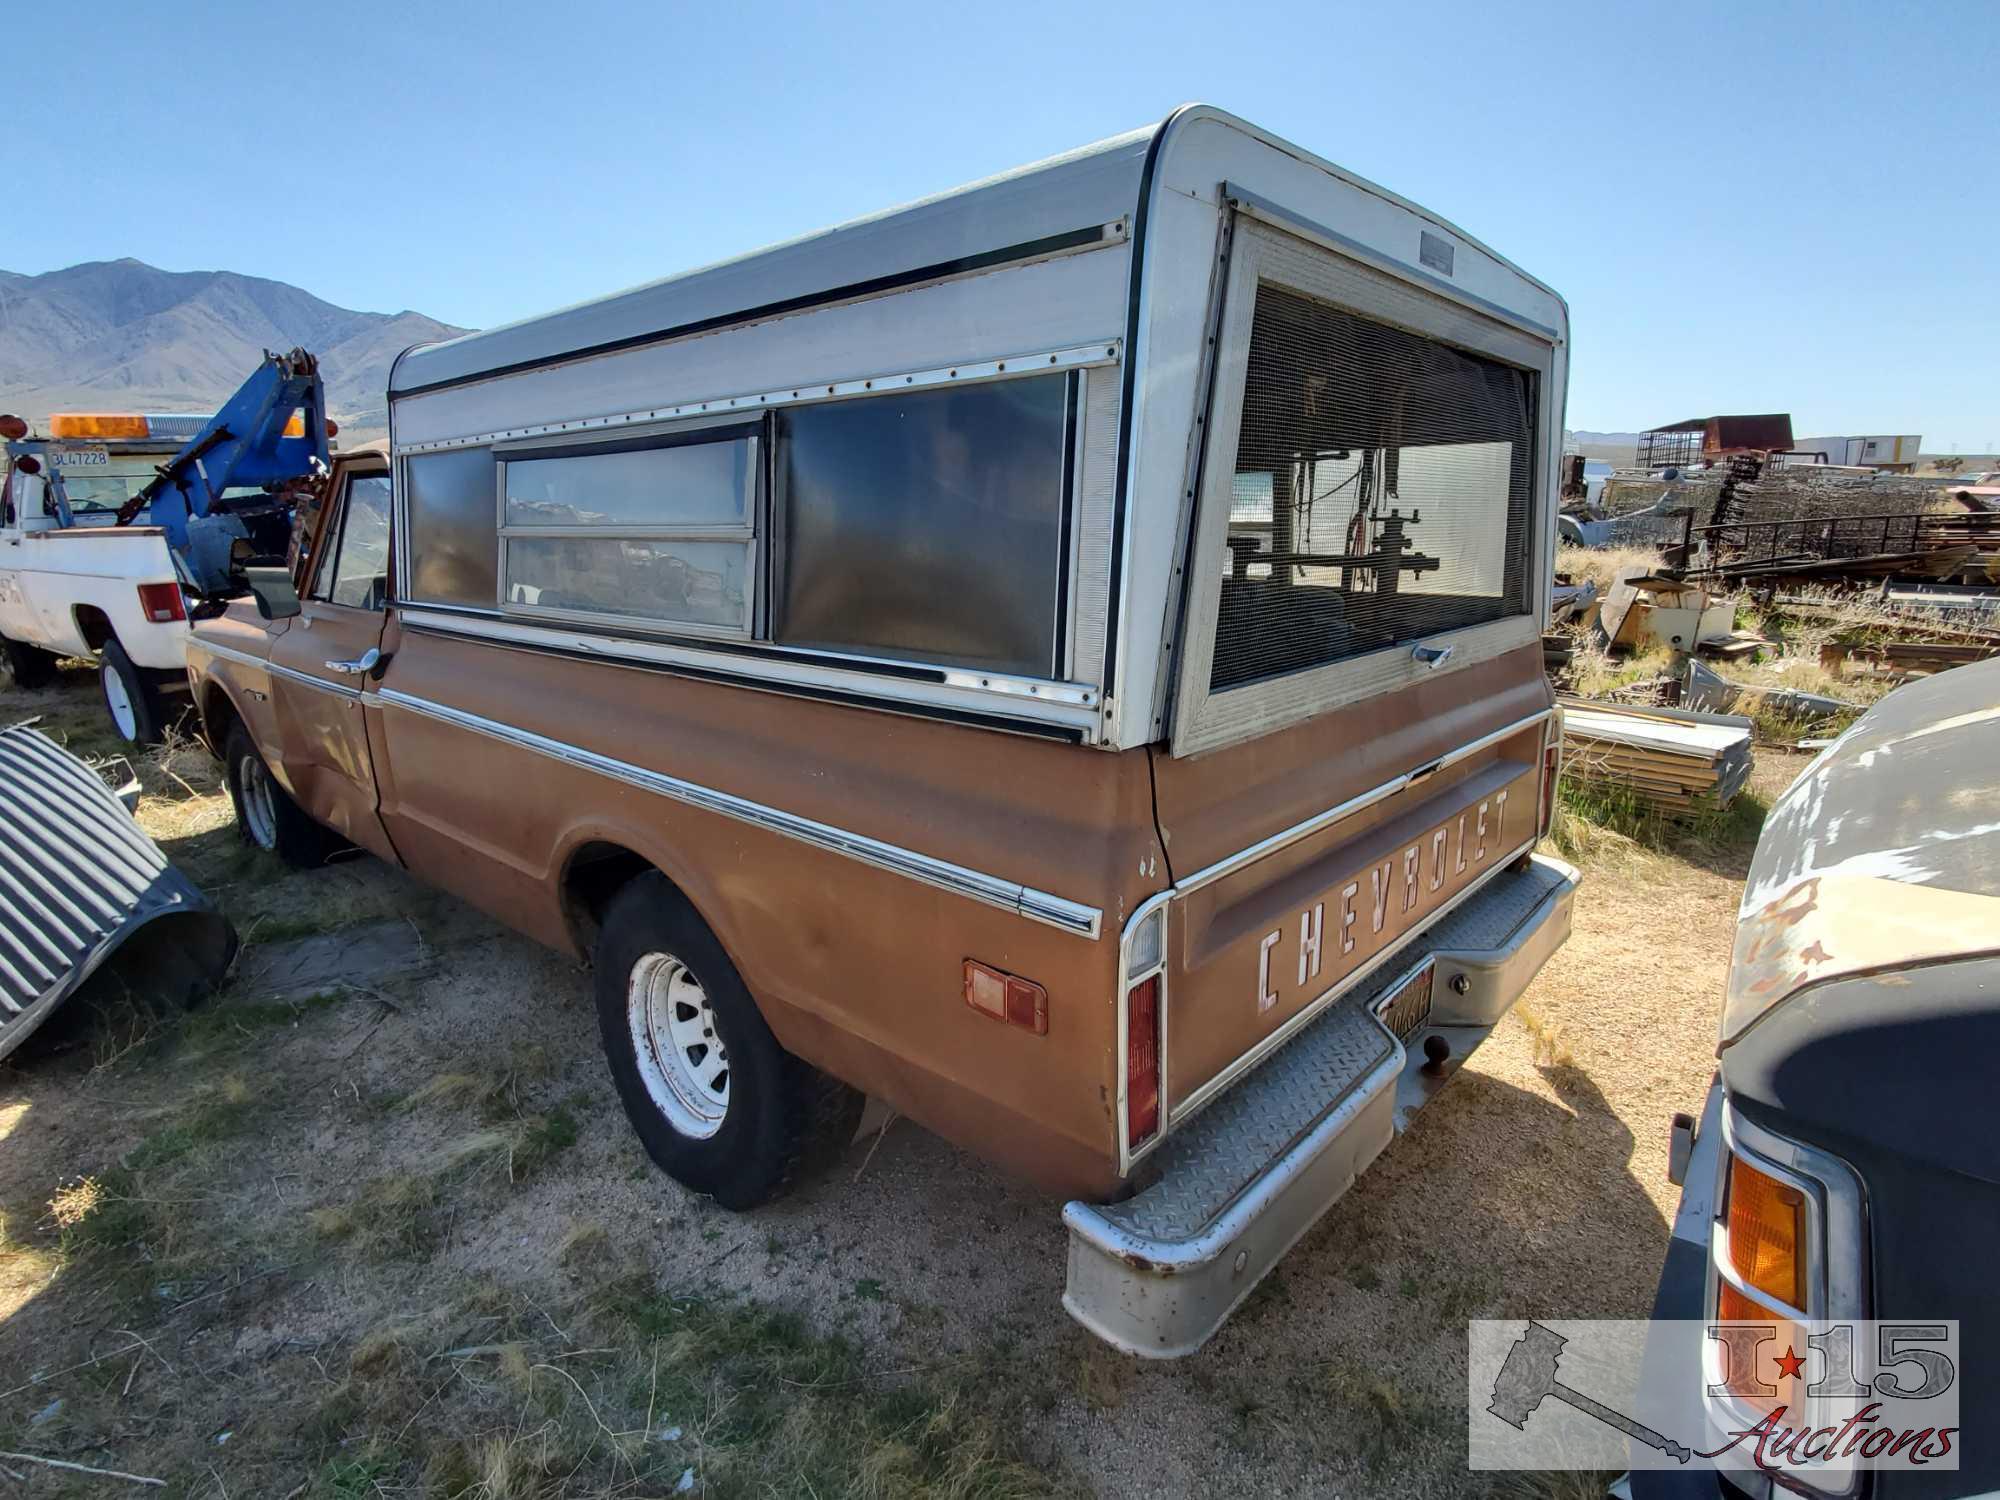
(272, 432)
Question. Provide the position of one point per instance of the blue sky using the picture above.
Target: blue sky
(1750, 207)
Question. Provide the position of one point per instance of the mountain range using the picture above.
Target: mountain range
(121, 335)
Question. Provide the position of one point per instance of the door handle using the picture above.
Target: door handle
(1431, 656)
(367, 661)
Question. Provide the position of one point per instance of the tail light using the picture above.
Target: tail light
(1145, 982)
(1551, 769)
(1142, 1060)
(162, 602)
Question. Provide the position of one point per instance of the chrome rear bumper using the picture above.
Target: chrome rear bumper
(1157, 1274)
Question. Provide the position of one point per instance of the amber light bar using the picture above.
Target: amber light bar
(92, 424)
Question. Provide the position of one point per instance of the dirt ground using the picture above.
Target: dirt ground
(397, 1239)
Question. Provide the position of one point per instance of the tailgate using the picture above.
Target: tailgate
(1352, 832)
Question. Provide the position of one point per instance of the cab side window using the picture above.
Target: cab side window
(355, 569)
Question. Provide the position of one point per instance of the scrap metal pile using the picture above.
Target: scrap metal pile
(1745, 522)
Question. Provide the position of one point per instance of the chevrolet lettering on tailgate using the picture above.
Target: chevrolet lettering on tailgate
(1377, 905)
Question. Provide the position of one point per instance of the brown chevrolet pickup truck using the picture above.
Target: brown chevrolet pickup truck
(1062, 658)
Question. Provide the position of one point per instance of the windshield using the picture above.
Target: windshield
(95, 493)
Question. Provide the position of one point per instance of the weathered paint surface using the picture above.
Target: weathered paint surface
(1885, 853)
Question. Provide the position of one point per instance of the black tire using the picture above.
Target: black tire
(266, 816)
(116, 676)
(27, 667)
(782, 1116)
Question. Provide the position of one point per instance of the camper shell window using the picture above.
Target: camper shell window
(1381, 491)
(448, 503)
(927, 526)
(661, 528)
(923, 526)
(1367, 505)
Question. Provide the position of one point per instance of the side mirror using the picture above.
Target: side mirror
(273, 591)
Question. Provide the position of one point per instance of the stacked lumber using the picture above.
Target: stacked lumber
(1671, 759)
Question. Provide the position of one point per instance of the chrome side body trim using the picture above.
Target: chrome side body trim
(1038, 906)
(1035, 362)
(1318, 821)
(290, 674)
(1072, 705)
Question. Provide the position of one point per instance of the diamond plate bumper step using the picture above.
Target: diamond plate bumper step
(1157, 1274)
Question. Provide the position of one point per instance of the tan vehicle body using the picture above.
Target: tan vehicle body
(861, 971)
(927, 670)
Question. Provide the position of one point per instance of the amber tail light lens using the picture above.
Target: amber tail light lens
(1142, 1061)
(1767, 1230)
(161, 602)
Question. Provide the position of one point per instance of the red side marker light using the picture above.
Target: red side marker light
(1006, 997)
(161, 602)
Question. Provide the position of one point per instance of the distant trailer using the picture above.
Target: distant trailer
(1898, 454)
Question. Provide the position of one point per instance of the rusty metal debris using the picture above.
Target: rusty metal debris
(1645, 609)
(89, 893)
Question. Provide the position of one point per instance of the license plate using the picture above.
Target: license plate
(71, 457)
(1407, 1006)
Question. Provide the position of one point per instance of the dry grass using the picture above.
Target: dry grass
(390, 1218)
(359, 1321)
(1550, 1049)
(1602, 565)
(181, 795)
(1595, 673)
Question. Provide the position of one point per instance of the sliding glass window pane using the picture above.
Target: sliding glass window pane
(926, 526)
(453, 551)
(691, 484)
(692, 583)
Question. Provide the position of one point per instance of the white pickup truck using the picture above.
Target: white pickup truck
(74, 584)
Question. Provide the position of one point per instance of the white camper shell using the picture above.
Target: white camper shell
(1126, 277)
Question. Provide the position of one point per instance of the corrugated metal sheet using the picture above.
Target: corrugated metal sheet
(77, 877)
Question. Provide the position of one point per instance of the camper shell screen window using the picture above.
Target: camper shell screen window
(927, 526)
(652, 529)
(1381, 495)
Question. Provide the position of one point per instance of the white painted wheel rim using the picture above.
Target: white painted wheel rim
(260, 813)
(682, 1060)
(119, 702)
